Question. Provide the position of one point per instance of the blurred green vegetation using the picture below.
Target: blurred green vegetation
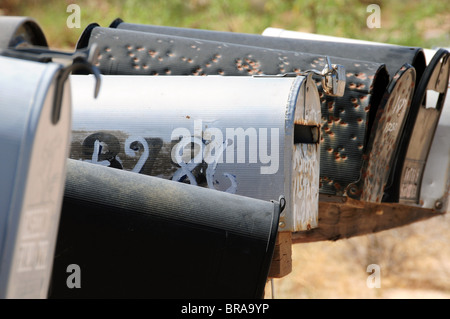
(424, 23)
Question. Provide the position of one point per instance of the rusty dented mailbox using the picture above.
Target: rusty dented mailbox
(252, 136)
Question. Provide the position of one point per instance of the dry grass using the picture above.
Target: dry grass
(414, 261)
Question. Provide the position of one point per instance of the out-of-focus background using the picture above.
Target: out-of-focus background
(424, 23)
(415, 259)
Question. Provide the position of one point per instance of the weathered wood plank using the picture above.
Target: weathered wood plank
(282, 256)
(341, 217)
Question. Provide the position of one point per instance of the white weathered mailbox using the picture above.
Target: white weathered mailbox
(255, 136)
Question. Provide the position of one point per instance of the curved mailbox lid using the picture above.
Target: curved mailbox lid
(435, 184)
(380, 155)
(434, 80)
(18, 31)
(34, 152)
(130, 52)
(137, 236)
(246, 133)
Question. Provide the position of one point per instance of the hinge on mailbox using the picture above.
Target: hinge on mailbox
(333, 78)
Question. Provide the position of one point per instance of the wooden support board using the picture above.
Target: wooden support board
(343, 217)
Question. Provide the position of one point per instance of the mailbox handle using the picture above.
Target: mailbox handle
(83, 60)
(333, 78)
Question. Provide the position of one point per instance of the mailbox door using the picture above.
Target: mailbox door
(33, 156)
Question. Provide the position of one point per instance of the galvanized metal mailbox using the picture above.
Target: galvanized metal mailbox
(423, 183)
(128, 235)
(253, 136)
(33, 157)
(35, 128)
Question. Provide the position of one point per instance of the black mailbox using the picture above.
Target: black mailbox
(137, 236)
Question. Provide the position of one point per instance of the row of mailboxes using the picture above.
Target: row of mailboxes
(371, 112)
(391, 100)
(412, 181)
(266, 123)
(118, 227)
(35, 145)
